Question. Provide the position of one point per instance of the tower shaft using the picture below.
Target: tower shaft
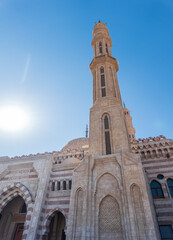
(108, 132)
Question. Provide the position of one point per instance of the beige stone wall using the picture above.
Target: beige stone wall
(115, 180)
(21, 174)
(157, 158)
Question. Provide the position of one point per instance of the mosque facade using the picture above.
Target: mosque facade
(110, 186)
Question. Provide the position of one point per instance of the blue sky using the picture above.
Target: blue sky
(45, 51)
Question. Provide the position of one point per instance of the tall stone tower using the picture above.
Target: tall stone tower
(129, 124)
(110, 198)
(108, 133)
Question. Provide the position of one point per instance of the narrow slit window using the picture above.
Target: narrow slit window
(100, 47)
(103, 80)
(53, 186)
(107, 135)
(106, 45)
(106, 122)
(64, 185)
(103, 92)
(101, 70)
(103, 85)
(58, 186)
(70, 184)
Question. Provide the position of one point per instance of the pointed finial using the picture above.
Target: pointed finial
(86, 132)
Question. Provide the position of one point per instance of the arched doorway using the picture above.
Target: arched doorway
(12, 219)
(57, 227)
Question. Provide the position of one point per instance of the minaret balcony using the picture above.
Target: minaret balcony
(102, 59)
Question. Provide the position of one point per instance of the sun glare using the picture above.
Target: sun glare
(13, 118)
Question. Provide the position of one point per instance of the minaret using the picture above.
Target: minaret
(109, 198)
(108, 133)
(129, 124)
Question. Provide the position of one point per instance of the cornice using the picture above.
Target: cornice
(102, 59)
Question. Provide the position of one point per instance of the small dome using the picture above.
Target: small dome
(100, 29)
(77, 143)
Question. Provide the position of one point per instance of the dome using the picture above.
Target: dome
(75, 144)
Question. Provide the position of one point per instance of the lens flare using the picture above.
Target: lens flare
(13, 118)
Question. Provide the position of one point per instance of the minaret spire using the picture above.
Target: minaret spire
(129, 124)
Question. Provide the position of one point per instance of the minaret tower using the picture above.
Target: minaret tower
(108, 133)
(129, 124)
(109, 198)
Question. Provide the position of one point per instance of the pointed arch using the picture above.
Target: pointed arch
(10, 192)
(110, 225)
(160, 154)
(48, 218)
(78, 214)
(106, 184)
(104, 174)
(139, 214)
(143, 155)
(154, 154)
(148, 154)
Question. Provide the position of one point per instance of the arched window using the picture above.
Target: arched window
(156, 189)
(106, 46)
(53, 186)
(154, 154)
(143, 155)
(64, 185)
(70, 184)
(166, 153)
(107, 135)
(170, 185)
(160, 153)
(103, 85)
(148, 154)
(58, 186)
(100, 47)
